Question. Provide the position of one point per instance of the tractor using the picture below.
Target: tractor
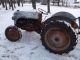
(57, 32)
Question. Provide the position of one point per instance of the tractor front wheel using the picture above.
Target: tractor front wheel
(13, 34)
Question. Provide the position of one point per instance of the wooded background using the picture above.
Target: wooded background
(11, 4)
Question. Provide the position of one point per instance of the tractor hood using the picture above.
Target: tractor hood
(25, 14)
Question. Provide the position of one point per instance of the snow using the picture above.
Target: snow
(26, 14)
(30, 46)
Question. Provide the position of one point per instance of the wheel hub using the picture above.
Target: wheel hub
(12, 33)
(57, 39)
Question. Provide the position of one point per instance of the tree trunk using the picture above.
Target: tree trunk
(33, 4)
(48, 5)
(6, 4)
(18, 2)
(2, 1)
(43, 2)
(12, 4)
(58, 2)
(62, 3)
(22, 1)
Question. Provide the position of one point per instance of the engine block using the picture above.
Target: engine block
(30, 21)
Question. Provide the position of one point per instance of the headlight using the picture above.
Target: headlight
(14, 18)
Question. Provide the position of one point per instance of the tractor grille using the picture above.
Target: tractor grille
(26, 24)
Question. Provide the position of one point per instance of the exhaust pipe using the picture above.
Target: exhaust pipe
(79, 22)
(78, 25)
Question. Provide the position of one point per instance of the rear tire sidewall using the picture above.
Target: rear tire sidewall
(68, 30)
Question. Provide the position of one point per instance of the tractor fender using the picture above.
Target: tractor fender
(63, 16)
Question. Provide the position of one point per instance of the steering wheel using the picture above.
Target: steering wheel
(42, 11)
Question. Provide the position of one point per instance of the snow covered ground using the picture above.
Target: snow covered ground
(30, 46)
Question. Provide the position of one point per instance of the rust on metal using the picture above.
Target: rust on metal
(57, 39)
(12, 33)
(30, 24)
(62, 18)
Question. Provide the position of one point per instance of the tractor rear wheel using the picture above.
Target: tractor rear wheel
(58, 38)
(12, 33)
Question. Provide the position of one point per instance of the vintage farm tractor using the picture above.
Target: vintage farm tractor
(57, 32)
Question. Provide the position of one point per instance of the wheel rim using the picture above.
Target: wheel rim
(12, 33)
(57, 39)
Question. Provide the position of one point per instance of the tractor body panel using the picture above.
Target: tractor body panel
(63, 16)
(24, 14)
(29, 21)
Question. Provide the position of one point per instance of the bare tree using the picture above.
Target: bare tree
(43, 2)
(3, 3)
(48, 5)
(12, 4)
(33, 4)
(6, 4)
(0, 2)
(22, 1)
(18, 2)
